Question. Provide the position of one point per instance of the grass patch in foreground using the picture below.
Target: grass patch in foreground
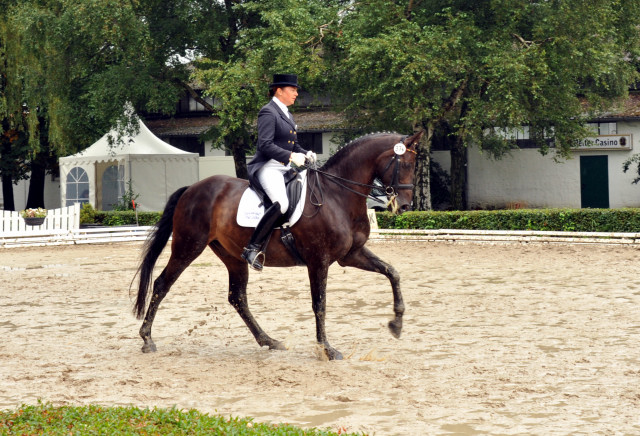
(45, 419)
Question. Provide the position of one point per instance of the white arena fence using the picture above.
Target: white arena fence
(62, 227)
(505, 236)
(66, 218)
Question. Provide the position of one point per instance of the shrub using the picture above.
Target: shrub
(578, 220)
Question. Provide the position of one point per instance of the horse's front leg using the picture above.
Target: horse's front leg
(364, 259)
(318, 281)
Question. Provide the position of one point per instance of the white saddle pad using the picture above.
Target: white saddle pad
(250, 209)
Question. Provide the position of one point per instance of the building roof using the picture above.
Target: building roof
(308, 121)
(626, 109)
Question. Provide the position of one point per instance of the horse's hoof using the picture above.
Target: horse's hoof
(149, 348)
(396, 328)
(333, 354)
(277, 345)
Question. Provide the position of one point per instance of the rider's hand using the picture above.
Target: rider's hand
(297, 158)
(311, 157)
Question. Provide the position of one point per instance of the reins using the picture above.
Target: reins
(390, 190)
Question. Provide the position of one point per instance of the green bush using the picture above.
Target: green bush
(572, 220)
(568, 220)
(87, 214)
(125, 217)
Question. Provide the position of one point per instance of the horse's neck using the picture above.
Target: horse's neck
(359, 166)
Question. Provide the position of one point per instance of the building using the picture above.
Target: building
(593, 177)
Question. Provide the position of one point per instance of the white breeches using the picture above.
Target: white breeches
(271, 177)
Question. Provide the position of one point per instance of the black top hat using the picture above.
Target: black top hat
(284, 80)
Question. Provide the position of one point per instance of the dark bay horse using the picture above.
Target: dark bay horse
(333, 229)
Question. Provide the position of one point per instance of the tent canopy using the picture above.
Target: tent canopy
(148, 166)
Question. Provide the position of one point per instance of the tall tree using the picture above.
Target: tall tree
(72, 66)
(266, 37)
(479, 70)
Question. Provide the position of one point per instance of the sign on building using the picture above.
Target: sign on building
(606, 142)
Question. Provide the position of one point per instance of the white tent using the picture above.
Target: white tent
(143, 164)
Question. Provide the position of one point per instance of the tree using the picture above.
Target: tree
(268, 37)
(70, 68)
(479, 70)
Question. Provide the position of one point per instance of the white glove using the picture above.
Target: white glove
(297, 158)
(311, 157)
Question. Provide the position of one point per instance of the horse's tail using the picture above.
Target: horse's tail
(151, 251)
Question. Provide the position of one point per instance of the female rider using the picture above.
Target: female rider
(277, 148)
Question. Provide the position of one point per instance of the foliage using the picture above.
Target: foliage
(128, 199)
(68, 68)
(570, 220)
(633, 160)
(34, 213)
(87, 214)
(126, 218)
(481, 70)
(278, 36)
(47, 419)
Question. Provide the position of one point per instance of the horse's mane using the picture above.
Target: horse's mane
(348, 149)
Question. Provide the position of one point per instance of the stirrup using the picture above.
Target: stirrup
(252, 257)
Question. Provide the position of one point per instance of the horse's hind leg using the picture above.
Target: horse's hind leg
(364, 259)
(177, 264)
(238, 278)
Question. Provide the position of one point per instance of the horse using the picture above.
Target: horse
(334, 227)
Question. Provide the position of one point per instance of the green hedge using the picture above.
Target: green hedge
(573, 220)
(121, 218)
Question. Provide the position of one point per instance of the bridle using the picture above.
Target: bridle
(390, 190)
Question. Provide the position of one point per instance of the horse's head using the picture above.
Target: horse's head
(396, 168)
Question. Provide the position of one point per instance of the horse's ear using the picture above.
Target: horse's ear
(412, 141)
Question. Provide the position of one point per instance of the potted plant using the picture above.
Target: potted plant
(34, 217)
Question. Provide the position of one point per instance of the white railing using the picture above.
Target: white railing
(65, 218)
(505, 236)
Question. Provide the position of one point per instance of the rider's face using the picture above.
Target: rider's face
(287, 95)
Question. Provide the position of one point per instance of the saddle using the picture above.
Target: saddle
(255, 201)
(293, 182)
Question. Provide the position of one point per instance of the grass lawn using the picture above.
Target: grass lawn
(45, 419)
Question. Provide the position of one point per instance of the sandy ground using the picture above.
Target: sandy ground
(505, 339)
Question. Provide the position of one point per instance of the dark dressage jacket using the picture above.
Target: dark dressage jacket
(277, 138)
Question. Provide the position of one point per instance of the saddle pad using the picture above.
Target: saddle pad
(250, 209)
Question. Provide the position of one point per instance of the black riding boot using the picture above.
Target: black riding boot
(253, 251)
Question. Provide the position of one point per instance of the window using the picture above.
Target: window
(603, 128)
(189, 104)
(112, 186)
(512, 133)
(311, 141)
(77, 186)
(187, 143)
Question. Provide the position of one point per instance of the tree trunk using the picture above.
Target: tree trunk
(7, 193)
(422, 179)
(458, 174)
(35, 198)
(239, 151)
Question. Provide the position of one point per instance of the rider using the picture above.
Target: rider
(277, 148)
